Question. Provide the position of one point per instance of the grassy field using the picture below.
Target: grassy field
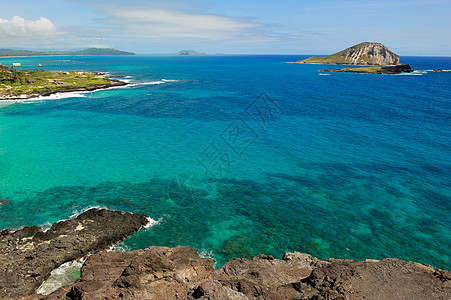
(24, 83)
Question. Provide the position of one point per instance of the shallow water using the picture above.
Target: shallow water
(242, 155)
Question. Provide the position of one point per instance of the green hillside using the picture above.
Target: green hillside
(90, 51)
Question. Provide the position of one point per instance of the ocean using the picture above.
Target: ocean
(241, 155)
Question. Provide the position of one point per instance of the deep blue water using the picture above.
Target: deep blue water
(242, 155)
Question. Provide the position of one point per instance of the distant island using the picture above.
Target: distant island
(366, 53)
(376, 55)
(24, 84)
(189, 52)
(89, 51)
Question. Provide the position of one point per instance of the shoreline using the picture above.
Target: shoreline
(168, 273)
(113, 83)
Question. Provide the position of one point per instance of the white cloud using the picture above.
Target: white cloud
(19, 27)
(166, 23)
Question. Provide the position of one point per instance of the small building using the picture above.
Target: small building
(16, 65)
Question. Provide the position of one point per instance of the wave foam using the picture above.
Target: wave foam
(76, 213)
(152, 222)
(119, 246)
(148, 83)
(408, 74)
(206, 253)
(56, 96)
(46, 226)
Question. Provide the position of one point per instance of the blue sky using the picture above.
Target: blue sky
(408, 27)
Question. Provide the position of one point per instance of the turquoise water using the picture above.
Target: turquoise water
(242, 155)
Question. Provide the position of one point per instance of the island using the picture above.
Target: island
(25, 84)
(28, 256)
(189, 52)
(367, 53)
(89, 51)
(378, 58)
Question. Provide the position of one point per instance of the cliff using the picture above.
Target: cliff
(160, 273)
(362, 54)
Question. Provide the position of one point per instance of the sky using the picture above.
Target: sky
(407, 27)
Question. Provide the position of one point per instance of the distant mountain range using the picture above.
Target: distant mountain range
(90, 51)
(188, 52)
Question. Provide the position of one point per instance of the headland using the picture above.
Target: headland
(25, 84)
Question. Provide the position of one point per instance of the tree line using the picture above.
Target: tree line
(12, 75)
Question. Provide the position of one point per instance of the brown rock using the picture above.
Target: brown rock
(154, 273)
(179, 273)
(30, 254)
(257, 278)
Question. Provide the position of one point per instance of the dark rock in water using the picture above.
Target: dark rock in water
(399, 69)
(179, 273)
(396, 69)
(27, 256)
(2, 201)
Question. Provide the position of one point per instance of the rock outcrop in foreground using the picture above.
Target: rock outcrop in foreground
(28, 256)
(361, 54)
(179, 273)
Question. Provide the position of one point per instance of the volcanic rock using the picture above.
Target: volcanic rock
(399, 69)
(179, 273)
(27, 256)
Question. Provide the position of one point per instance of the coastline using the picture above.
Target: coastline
(352, 186)
(5, 101)
(181, 273)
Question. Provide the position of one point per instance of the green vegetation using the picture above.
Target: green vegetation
(90, 51)
(24, 83)
(331, 59)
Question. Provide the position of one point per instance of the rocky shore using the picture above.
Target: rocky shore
(179, 273)
(27, 256)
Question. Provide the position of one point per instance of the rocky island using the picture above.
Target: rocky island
(27, 257)
(366, 53)
(24, 84)
(376, 55)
